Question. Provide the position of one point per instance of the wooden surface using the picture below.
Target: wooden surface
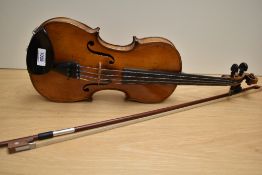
(220, 138)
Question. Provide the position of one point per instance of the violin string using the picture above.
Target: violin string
(172, 83)
(119, 81)
(94, 73)
(178, 81)
(140, 79)
(157, 80)
(180, 75)
(130, 77)
(94, 79)
(175, 81)
(146, 77)
(157, 73)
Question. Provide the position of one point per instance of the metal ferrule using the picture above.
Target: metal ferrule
(63, 132)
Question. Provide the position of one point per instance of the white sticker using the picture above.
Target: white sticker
(41, 57)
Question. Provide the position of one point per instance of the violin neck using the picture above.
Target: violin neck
(137, 76)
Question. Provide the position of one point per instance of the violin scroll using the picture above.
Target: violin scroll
(238, 75)
(251, 79)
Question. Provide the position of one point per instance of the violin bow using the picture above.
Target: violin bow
(29, 142)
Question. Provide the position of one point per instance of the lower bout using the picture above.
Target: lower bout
(149, 93)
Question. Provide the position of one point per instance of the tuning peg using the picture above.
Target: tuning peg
(234, 69)
(242, 68)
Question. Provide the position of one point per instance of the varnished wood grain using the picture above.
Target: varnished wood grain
(220, 138)
(69, 39)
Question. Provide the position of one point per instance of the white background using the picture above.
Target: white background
(209, 34)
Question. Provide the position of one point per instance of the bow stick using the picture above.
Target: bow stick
(27, 143)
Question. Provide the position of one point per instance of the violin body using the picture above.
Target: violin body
(63, 40)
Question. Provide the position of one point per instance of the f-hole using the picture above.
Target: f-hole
(91, 43)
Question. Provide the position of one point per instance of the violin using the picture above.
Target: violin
(68, 61)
